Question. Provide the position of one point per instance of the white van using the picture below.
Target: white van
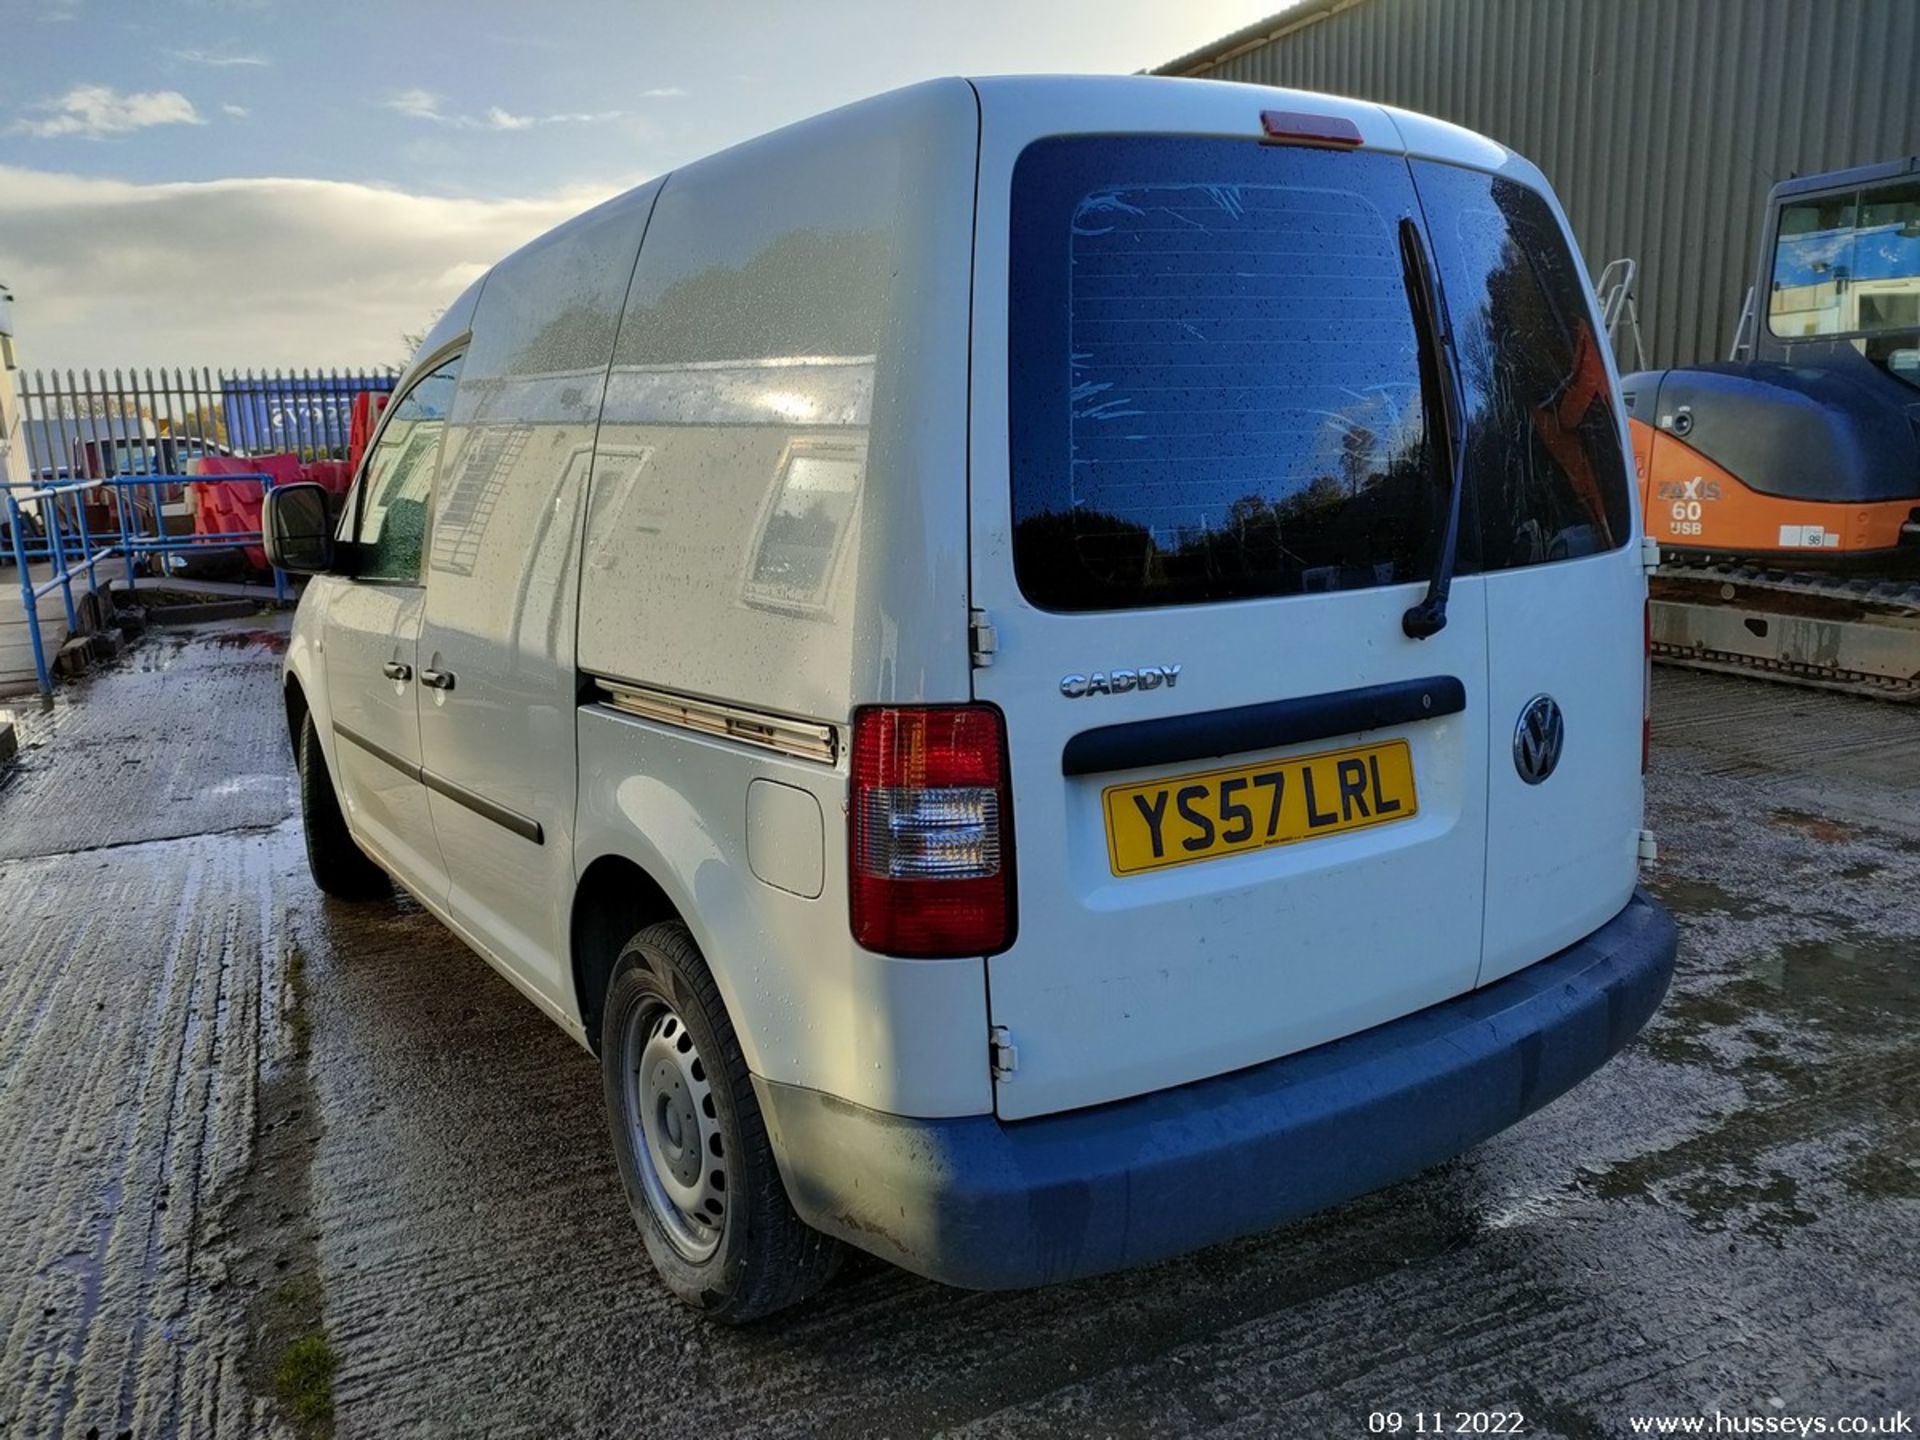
(1050, 671)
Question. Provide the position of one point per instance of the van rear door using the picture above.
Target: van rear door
(1249, 812)
(1565, 592)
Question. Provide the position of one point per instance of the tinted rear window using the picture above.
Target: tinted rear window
(1548, 478)
(1215, 381)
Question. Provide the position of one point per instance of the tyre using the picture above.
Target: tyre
(693, 1149)
(340, 867)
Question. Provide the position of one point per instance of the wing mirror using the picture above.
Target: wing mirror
(296, 528)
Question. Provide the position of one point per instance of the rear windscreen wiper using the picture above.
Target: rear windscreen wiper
(1440, 388)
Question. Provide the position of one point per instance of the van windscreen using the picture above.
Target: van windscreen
(1214, 375)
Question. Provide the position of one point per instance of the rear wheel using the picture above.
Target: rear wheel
(340, 867)
(693, 1149)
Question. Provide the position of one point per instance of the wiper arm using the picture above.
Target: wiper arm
(1440, 385)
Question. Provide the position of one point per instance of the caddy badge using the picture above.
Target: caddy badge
(1119, 682)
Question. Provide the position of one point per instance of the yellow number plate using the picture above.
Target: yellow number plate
(1276, 802)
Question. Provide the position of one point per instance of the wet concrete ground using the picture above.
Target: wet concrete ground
(232, 1112)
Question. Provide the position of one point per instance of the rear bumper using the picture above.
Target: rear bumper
(978, 1203)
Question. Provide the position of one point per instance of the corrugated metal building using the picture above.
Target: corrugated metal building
(1660, 122)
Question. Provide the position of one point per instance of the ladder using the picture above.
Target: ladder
(1619, 310)
(490, 455)
(1743, 332)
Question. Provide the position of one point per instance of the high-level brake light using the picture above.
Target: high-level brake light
(1305, 129)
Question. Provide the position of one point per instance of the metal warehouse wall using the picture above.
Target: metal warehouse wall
(1660, 122)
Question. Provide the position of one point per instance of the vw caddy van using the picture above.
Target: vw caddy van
(1048, 671)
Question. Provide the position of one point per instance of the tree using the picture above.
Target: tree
(412, 340)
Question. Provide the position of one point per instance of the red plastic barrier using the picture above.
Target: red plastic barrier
(367, 406)
(231, 507)
(335, 475)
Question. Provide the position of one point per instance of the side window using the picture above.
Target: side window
(391, 500)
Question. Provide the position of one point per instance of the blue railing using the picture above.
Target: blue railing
(67, 545)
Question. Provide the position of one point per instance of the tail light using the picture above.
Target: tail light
(1646, 686)
(931, 831)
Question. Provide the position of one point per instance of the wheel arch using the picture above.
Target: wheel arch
(615, 899)
(295, 696)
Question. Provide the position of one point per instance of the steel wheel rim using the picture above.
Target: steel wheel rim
(673, 1130)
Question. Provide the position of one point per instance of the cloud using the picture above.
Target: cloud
(97, 111)
(425, 105)
(244, 271)
(217, 59)
(498, 119)
(420, 104)
(238, 112)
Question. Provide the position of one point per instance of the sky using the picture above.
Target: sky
(262, 182)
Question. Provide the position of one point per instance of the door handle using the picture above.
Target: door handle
(397, 670)
(437, 679)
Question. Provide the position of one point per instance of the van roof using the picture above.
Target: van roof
(1229, 107)
(1090, 103)
(1153, 102)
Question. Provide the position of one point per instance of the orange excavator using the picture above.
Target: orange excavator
(1783, 486)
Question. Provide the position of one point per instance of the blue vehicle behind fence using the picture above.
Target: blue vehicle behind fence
(292, 414)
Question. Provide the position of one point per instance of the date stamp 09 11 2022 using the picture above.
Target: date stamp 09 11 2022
(1446, 1422)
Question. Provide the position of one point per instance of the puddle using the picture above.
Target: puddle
(1880, 1176)
(1817, 827)
(1850, 987)
(1814, 1023)
(1831, 998)
(1805, 1079)
(272, 641)
(1854, 978)
(1708, 1009)
(160, 648)
(1703, 897)
(1766, 1208)
(1678, 1045)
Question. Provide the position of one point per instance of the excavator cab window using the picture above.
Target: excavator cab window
(1849, 265)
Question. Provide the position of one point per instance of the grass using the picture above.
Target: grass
(304, 1379)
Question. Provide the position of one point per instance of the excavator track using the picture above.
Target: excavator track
(1834, 632)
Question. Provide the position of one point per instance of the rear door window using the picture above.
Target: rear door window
(1214, 375)
(1547, 475)
(1215, 383)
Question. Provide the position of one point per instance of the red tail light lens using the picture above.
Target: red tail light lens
(930, 831)
(1646, 691)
